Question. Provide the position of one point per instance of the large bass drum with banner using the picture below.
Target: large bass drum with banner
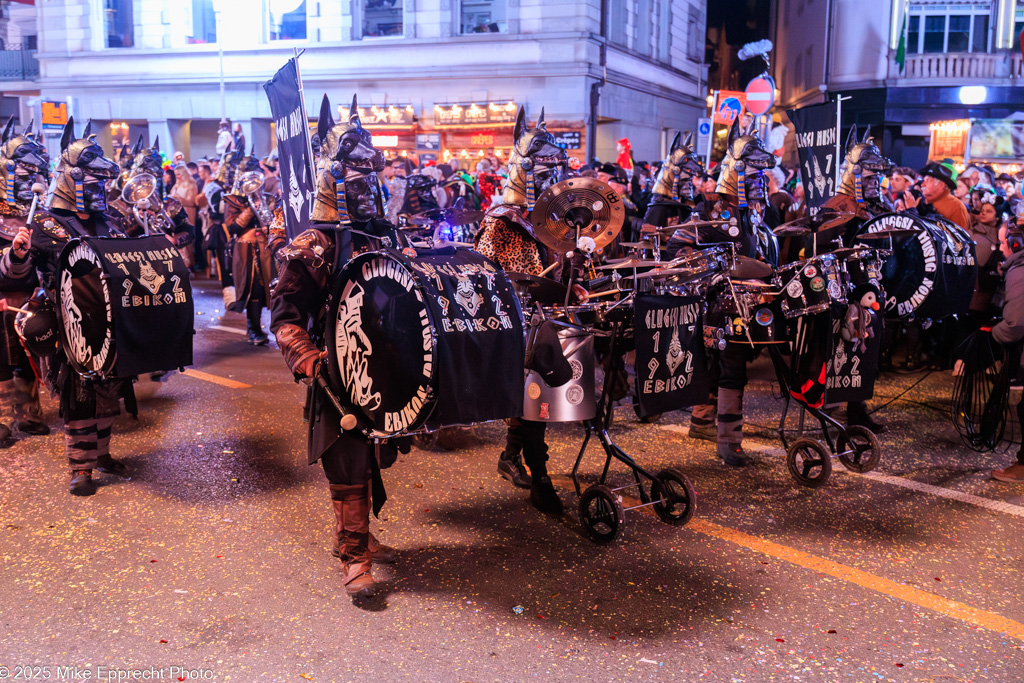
(420, 341)
(124, 306)
(931, 273)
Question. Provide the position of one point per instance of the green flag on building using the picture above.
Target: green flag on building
(901, 47)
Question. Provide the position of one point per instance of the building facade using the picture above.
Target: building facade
(853, 47)
(433, 76)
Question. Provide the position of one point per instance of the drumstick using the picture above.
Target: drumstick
(5, 307)
(604, 293)
(549, 269)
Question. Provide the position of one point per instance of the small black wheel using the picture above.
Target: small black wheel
(860, 451)
(601, 513)
(678, 499)
(645, 419)
(809, 462)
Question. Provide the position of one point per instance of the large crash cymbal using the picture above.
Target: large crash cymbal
(453, 216)
(584, 204)
(747, 268)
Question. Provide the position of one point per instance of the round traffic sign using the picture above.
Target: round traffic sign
(760, 95)
(704, 128)
(729, 109)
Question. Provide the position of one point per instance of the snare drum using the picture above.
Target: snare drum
(810, 286)
(754, 307)
(705, 263)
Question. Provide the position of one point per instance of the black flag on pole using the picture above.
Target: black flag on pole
(816, 143)
(292, 131)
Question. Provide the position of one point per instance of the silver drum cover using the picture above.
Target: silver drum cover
(573, 401)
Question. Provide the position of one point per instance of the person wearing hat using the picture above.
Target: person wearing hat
(937, 187)
(271, 181)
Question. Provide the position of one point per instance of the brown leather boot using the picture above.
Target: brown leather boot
(352, 514)
(382, 554)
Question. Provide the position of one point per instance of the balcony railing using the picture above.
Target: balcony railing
(960, 66)
(18, 65)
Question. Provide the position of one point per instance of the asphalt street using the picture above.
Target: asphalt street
(213, 555)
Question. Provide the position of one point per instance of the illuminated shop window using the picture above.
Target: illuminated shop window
(382, 18)
(484, 16)
(286, 19)
(119, 24)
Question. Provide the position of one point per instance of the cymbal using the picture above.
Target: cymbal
(887, 234)
(637, 245)
(826, 219)
(449, 216)
(629, 264)
(688, 224)
(752, 284)
(577, 205)
(847, 252)
(541, 289)
(788, 230)
(661, 272)
(747, 268)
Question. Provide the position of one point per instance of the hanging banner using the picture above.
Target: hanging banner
(671, 368)
(816, 143)
(853, 368)
(292, 130)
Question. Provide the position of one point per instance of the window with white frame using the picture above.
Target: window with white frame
(200, 21)
(1018, 25)
(665, 32)
(948, 28)
(484, 16)
(286, 19)
(695, 35)
(382, 18)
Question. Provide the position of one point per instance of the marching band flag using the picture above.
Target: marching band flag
(816, 144)
(293, 147)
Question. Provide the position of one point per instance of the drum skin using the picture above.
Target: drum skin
(573, 401)
(414, 340)
(84, 311)
(810, 286)
(930, 274)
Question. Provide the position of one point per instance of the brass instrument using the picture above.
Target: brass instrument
(251, 185)
(147, 210)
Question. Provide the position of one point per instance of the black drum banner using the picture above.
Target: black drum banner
(292, 130)
(816, 144)
(150, 300)
(671, 368)
(852, 371)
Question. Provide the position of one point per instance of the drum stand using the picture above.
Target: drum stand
(601, 512)
(810, 460)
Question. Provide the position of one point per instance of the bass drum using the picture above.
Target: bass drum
(421, 341)
(124, 306)
(930, 274)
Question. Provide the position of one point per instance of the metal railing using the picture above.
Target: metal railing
(960, 66)
(18, 65)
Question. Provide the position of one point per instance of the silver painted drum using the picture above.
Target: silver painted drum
(573, 401)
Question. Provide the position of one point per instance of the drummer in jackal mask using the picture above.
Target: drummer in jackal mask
(348, 212)
(23, 163)
(88, 406)
(506, 236)
(742, 201)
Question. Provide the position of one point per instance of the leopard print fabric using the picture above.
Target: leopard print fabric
(502, 241)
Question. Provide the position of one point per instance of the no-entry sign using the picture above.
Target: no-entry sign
(760, 95)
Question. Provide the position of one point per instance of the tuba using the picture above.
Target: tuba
(250, 184)
(148, 211)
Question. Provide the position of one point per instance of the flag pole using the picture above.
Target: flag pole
(711, 135)
(305, 120)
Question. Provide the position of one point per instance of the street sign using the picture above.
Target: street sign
(429, 142)
(703, 136)
(730, 105)
(760, 95)
(567, 139)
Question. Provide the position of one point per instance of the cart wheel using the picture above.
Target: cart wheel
(601, 513)
(865, 451)
(678, 499)
(809, 462)
(645, 419)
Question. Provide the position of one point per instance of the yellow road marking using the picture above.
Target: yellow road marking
(936, 603)
(915, 596)
(223, 381)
